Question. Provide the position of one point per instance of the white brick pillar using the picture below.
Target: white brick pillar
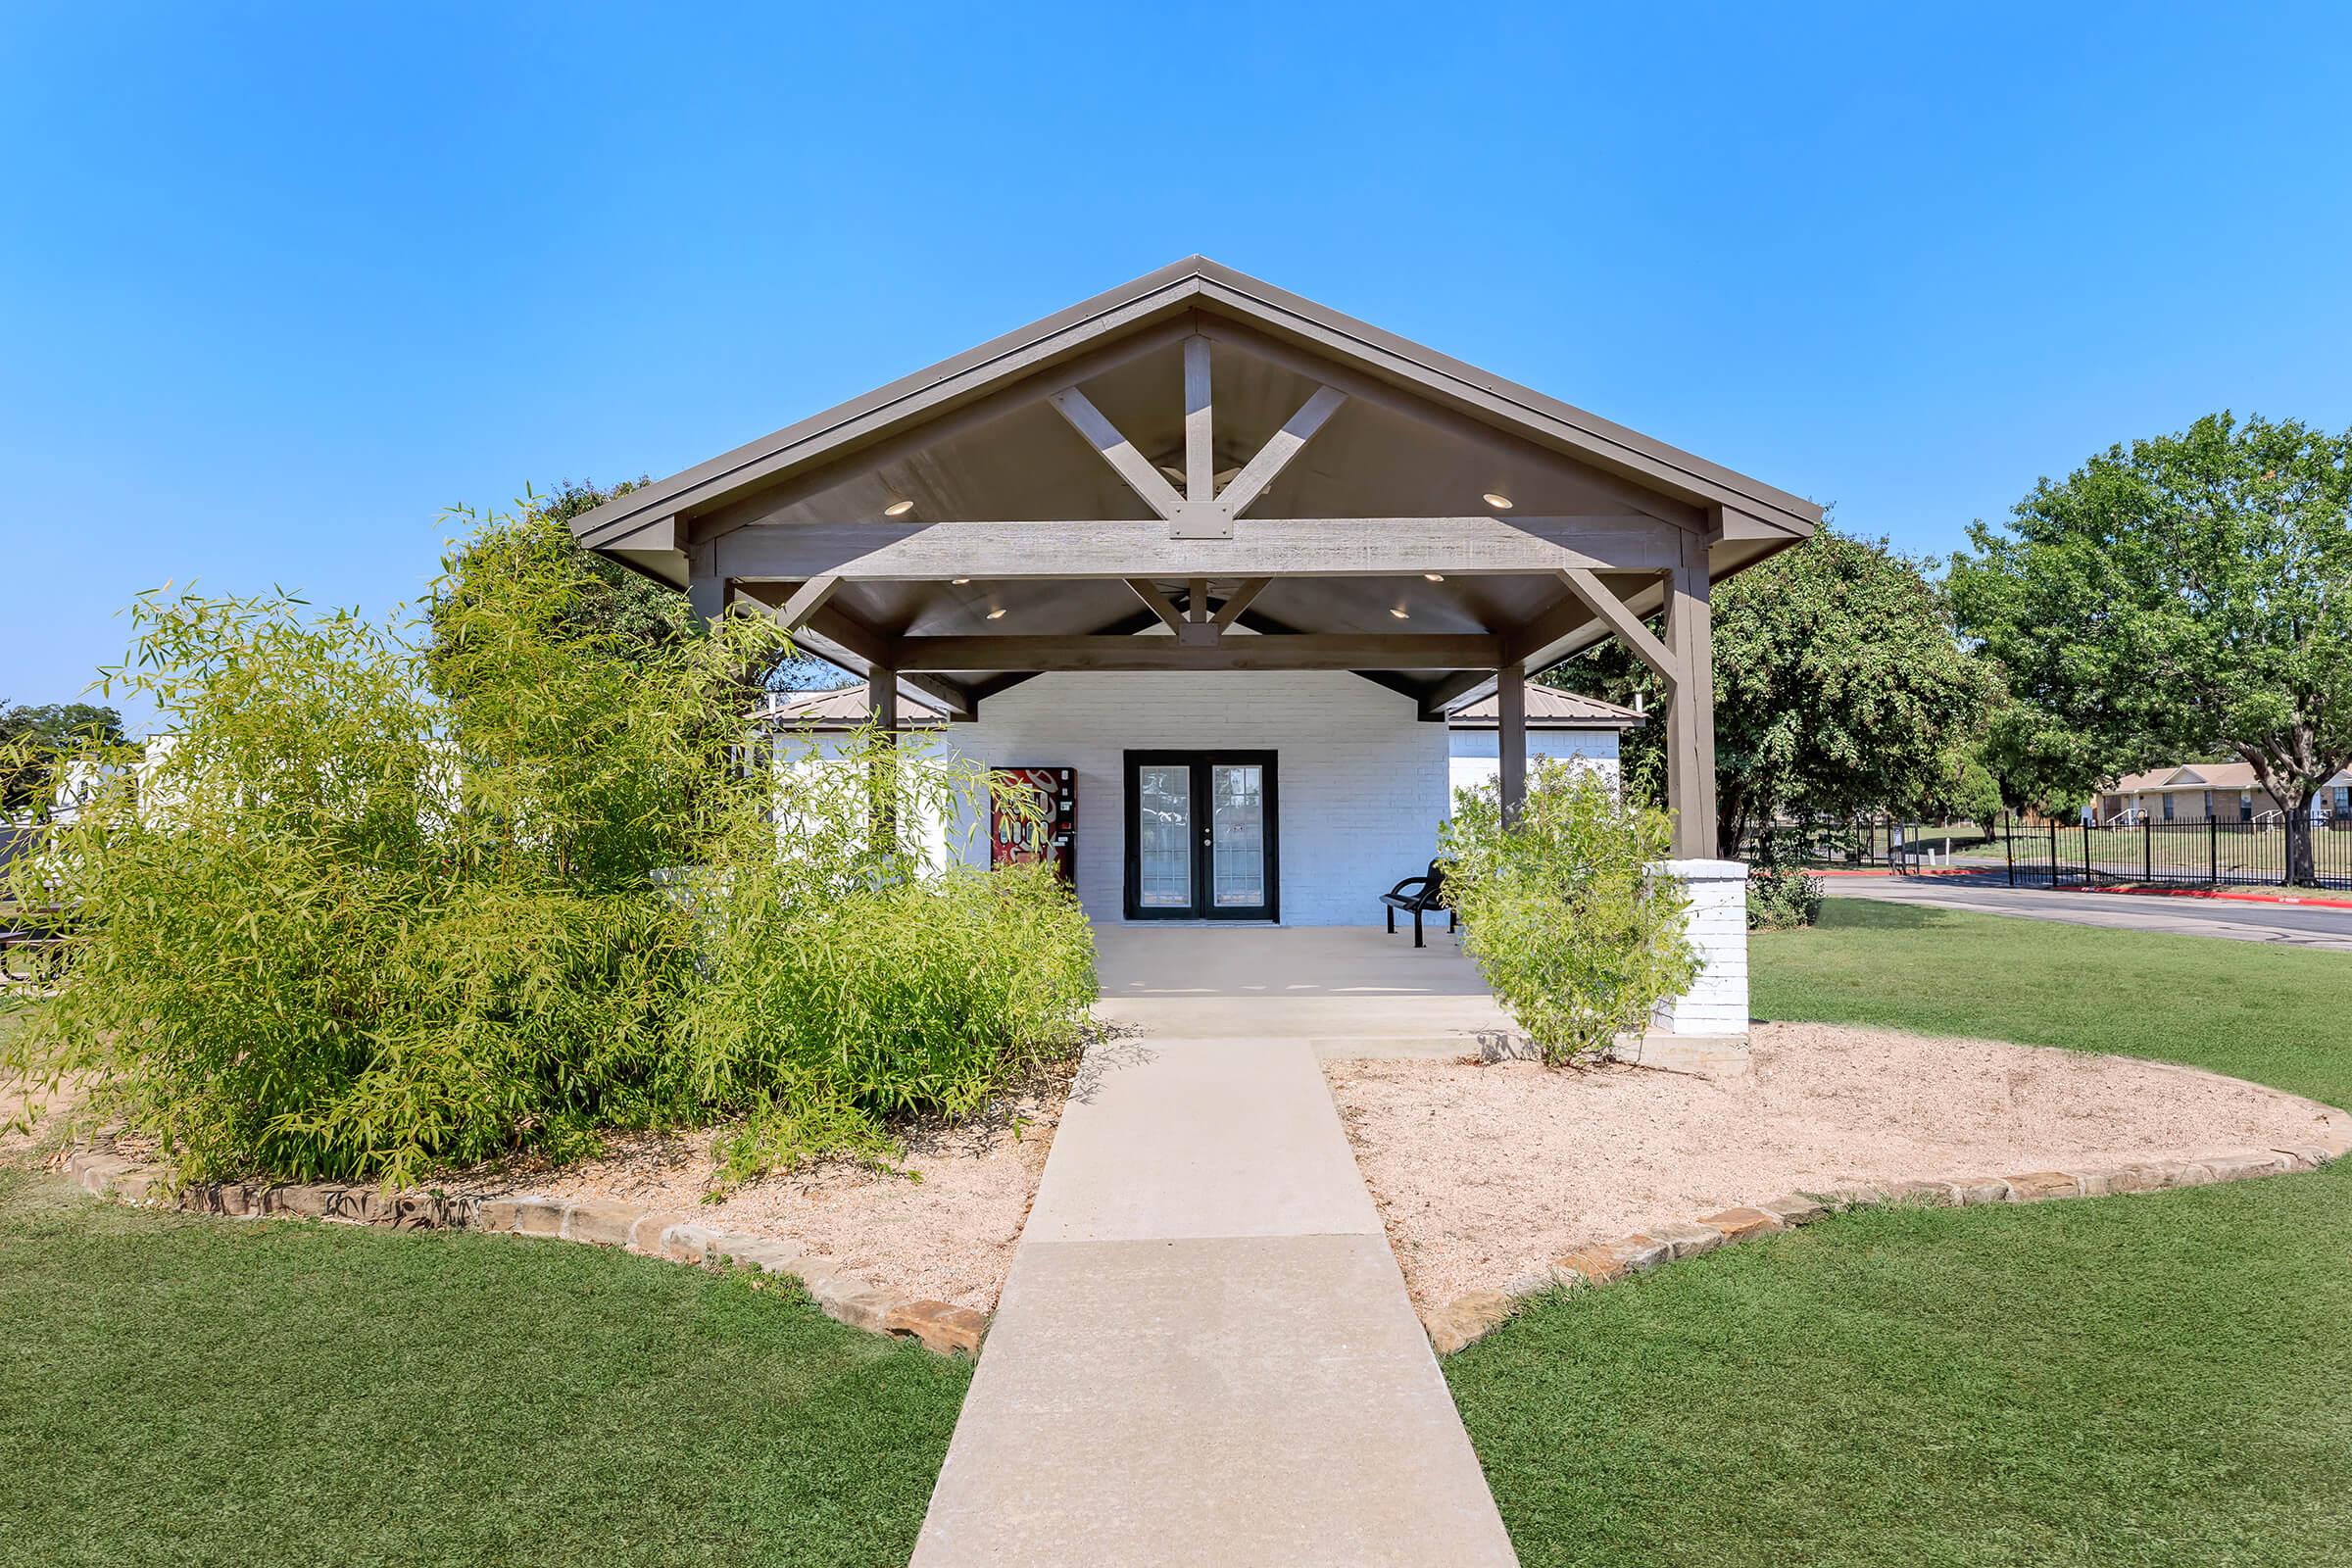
(1716, 1004)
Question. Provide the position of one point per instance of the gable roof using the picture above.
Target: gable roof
(2197, 776)
(1198, 283)
(2222, 776)
(844, 708)
(1547, 708)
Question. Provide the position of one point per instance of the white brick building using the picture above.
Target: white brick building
(1344, 790)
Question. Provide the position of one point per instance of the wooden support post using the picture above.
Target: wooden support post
(1200, 433)
(882, 706)
(1510, 737)
(706, 590)
(1691, 707)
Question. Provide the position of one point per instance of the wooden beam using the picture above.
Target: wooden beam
(1195, 599)
(1691, 708)
(1624, 622)
(1268, 547)
(1735, 525)
(1280, 448)
(1634, 476)
(842, 639)
(807, 601)
(1238, 601)
(1510, 738)
(660, 533)
(1452, 689)
(1200, 432)
(895, 458)
(1155, 602)
(1118, 451)
(1304, 651)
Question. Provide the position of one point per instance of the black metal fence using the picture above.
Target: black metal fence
(2021, 854)
(2147, 854)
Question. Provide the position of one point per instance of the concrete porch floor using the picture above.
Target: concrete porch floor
(1347, 990)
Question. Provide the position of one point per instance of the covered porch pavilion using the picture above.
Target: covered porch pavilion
(1197, 479)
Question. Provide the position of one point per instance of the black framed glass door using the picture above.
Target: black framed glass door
(1201, 836)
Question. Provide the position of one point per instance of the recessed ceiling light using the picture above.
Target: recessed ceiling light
(899, 509)
(1500, 502)
(996, 615)
(1434, 576)
(1401, 614)
(960, 580)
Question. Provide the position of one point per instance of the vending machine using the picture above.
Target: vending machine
(1049, 834)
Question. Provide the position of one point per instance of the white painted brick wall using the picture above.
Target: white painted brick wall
(1360, 781)
(1717, 1004)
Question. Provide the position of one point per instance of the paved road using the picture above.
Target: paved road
(2295, 925)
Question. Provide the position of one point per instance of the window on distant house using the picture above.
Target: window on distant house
(2246, 806)
(2209, 802)
(2168, 806)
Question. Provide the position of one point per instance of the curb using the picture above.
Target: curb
(2151, 891)
(1881, 870)
(1470, 1317)
(845, 1297)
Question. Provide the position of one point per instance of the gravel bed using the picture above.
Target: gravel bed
(1485, 1173)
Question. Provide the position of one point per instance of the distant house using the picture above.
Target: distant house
(2212, 792)
(1564, 726)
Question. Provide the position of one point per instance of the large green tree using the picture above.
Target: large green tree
(2188, 595)
(1840, 688)
(606, 600)
(31, 739)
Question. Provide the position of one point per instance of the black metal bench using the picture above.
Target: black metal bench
(32, 948)
(1428, 894)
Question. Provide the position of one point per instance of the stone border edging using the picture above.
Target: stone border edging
(1473, 1315)
(846, 1297)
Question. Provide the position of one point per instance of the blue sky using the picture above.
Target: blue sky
(279, 282)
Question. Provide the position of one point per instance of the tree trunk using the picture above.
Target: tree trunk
(2302, 860)
(1731, 818)
(2293, 781)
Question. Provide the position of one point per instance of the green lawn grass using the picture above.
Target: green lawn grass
(185, 1391)
(2153, 1380)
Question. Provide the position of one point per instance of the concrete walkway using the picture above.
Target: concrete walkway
(1347, 990)
(1205, 1354)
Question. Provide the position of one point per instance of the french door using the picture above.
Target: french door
(1201, 839)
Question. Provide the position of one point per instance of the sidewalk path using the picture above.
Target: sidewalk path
(1205, 1354)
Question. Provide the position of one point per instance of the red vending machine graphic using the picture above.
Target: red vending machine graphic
(1050, 834)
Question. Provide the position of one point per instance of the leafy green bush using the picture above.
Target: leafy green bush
(1781, 893)
(1568, 928)
(373, 911)
(1782, 898)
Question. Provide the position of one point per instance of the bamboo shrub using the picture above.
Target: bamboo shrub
(388, 900)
